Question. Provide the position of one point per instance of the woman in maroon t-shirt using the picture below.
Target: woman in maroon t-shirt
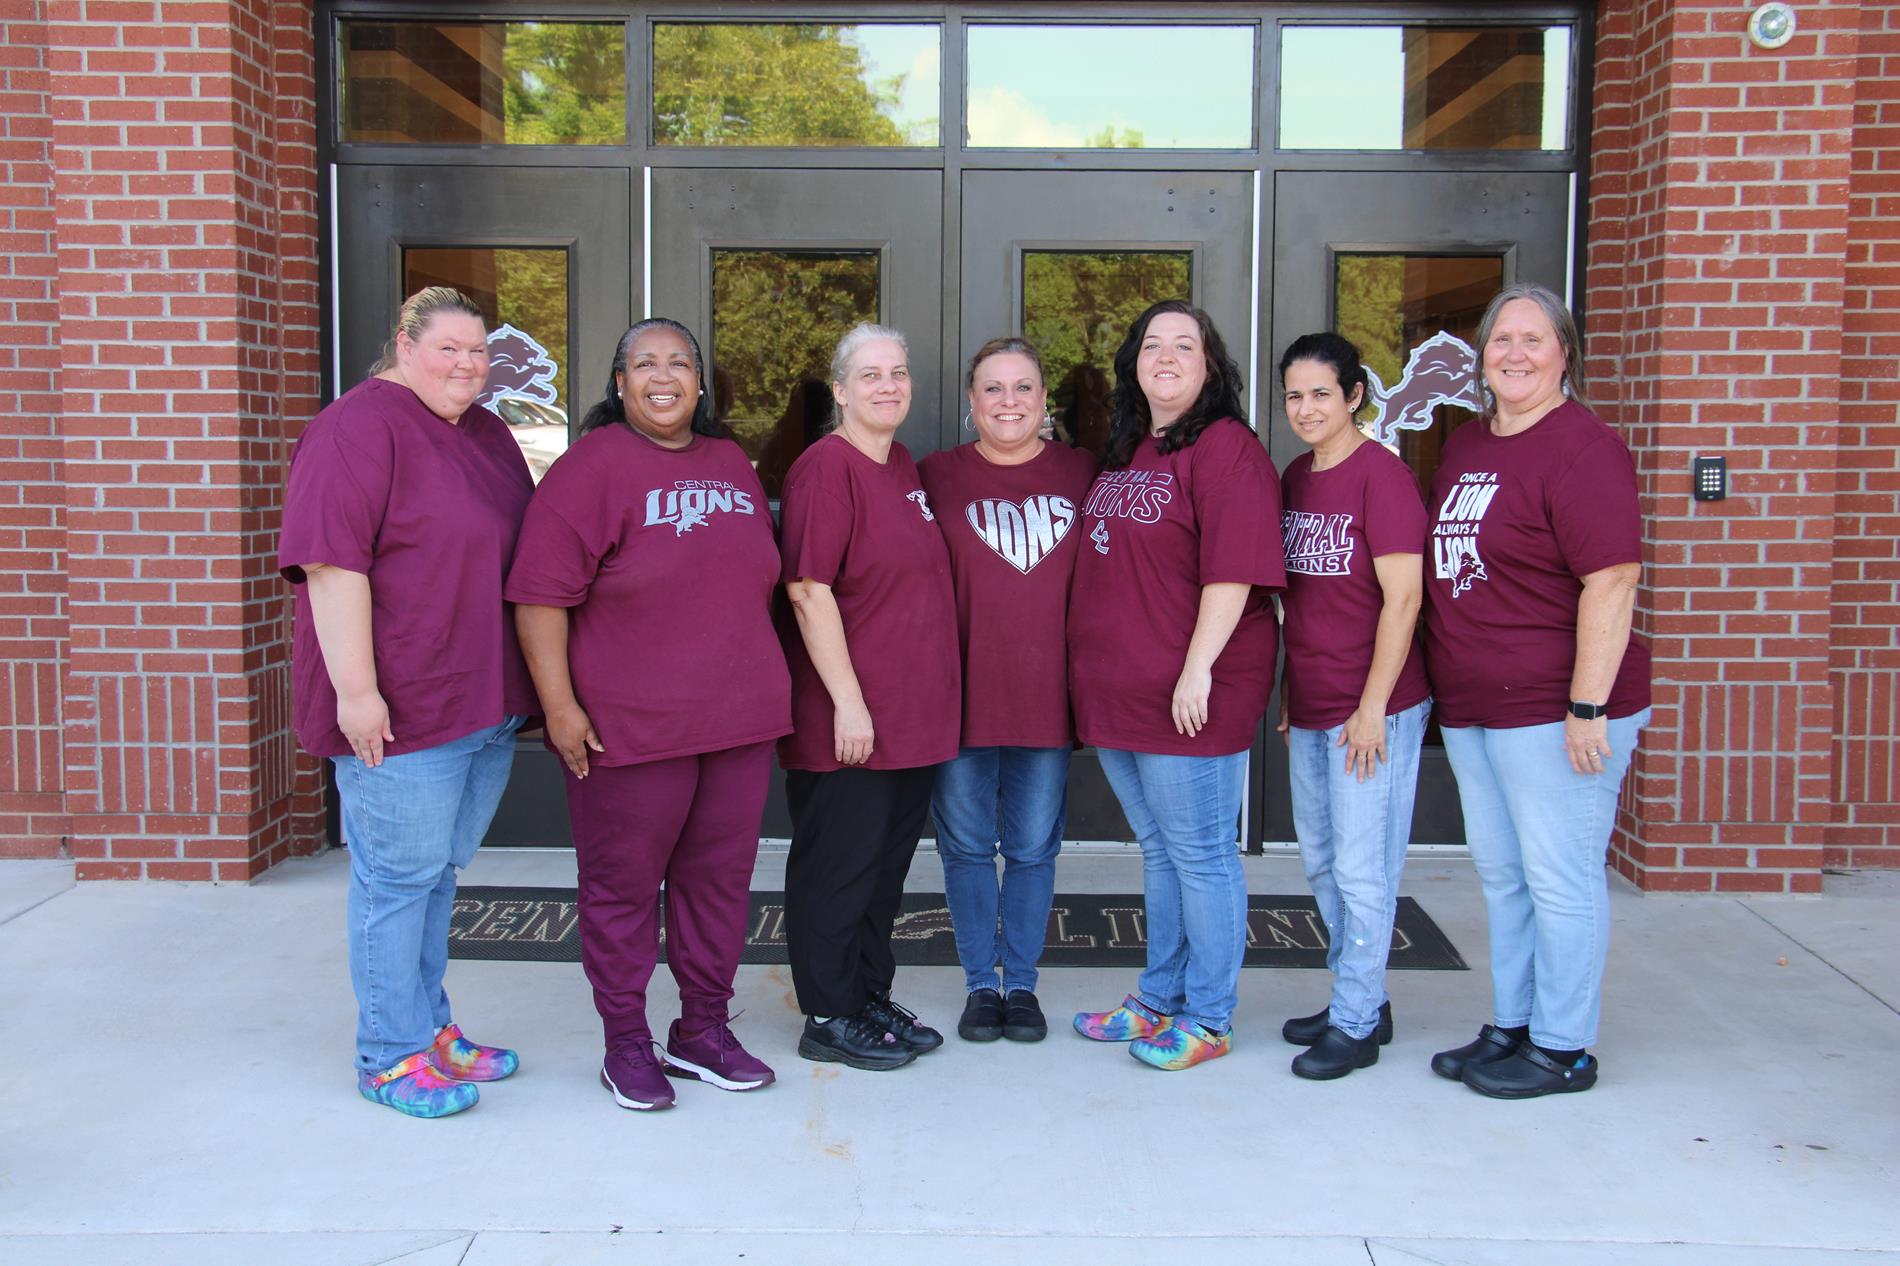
(1354, 530)
(875, 699)
(643, 588)
(405, 497)
(1536, 543)
(1172, 645)
(1009, 505)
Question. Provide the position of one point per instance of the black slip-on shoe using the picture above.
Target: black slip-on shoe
(1529, 1074)
(1492, 1045)
(1336, 1054)
(854, 1041)
(982, 1018)
(902, 1023)
(1023, 1020)
(1306, 1030)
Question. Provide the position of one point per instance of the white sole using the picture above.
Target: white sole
(686, 1068)
(635, 1104)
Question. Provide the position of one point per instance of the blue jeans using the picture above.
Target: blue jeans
(1352, 841)
(1538, 831)
(1013, 800)
(411, 823)
(1185, 811)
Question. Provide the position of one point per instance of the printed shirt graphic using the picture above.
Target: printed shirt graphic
(1013, 532)
(1516, 521)
(666, 561)
(1158, 530)
(869, 531)
(428, 510)
(1335, 523)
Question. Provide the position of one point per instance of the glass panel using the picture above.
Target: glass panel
(1393, 306)
(1111, 87)
(731, 83)
(1424, 87)
(484, 83)
(523, 294)
(777, 316)
(1077, 307)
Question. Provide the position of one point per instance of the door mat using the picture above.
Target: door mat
(542, 925)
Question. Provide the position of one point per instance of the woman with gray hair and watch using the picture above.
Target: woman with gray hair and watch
(1536, 550)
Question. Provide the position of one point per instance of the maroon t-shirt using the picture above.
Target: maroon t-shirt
(1013, 532)
(1335, 523)
(870, 532)
(666, 560)
(1154, 533)
(428, 510)
(1516, 520)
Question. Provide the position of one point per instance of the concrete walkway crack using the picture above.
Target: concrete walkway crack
(1818, 956)
(51, 896)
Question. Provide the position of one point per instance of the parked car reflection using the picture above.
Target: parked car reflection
(540, 429)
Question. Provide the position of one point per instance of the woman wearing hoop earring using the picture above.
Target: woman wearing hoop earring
(1008, 503)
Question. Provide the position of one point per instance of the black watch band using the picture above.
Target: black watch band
(1588, 711)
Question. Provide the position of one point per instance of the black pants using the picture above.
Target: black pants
(854, 832)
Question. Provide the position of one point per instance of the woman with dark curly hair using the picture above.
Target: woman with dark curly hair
(644, 584)
(1172, 645)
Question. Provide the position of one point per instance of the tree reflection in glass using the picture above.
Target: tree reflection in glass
(1077, 307)
(733, 83)
(777, 315)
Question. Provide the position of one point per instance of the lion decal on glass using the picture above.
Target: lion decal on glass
(1441, 370)
(518, 369)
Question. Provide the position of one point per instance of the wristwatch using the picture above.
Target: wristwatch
(1588, 711)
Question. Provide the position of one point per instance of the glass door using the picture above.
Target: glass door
(770, 268)
(1069, 259)
(546, 253)
(1403, 265)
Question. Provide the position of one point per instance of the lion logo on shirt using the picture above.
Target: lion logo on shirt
(923, 504)
(1022, 533)
(691, 503)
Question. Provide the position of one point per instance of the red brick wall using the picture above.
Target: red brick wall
(1717, 253)
(1865, 663)
(32, 500)
(183, 173)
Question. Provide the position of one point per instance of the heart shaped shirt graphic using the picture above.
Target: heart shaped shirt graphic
(1022, 534)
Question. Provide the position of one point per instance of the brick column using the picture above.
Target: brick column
(184, 179)
(1865, 659)
(33, 820)
(1717, 226)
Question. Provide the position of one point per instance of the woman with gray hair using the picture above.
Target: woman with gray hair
(876, 700)
(1540, 691)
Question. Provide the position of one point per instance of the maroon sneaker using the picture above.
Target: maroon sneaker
(713, 1055)
(635, 1078)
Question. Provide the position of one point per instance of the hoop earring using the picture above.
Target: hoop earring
(969, 423)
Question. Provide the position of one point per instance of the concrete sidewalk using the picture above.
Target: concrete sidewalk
(177, 1089)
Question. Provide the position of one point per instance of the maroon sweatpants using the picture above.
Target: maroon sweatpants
(692, 821)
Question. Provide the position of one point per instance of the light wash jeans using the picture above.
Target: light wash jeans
(1538, 831)
(411, 823)
(1352, 841)
(1185, 811)
(1013, 800)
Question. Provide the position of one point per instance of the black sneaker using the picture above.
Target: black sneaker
(902, 1023)
(854, 1040)
(1022, 1017)
(1307, 1030)
(982, 1019)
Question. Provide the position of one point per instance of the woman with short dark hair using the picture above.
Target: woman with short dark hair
(1172, 643)
(1354, 700)
(643, 584)
(1541, 691)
